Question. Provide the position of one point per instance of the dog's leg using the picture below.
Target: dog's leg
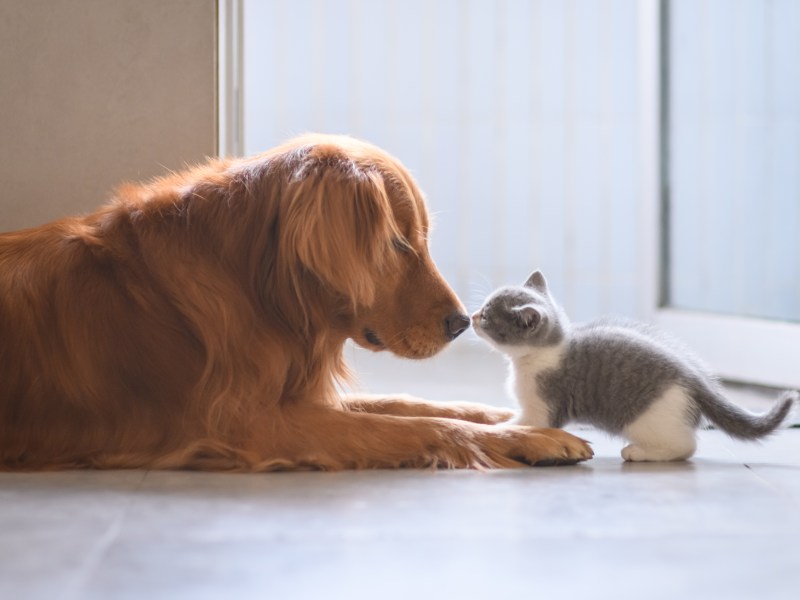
(337, 439)
(402, 405)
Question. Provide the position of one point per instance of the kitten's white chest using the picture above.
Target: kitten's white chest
(522, 383)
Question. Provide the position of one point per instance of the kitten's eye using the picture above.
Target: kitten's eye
(402, 245)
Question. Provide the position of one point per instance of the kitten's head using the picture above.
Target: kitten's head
(514, 319)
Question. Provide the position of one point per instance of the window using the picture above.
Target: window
(644, 154)
(731, 176)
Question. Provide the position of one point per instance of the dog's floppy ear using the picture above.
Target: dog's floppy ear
(339, 224)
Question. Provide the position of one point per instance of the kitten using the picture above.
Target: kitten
(622, 377)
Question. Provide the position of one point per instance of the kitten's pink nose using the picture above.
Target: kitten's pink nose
(476, 317)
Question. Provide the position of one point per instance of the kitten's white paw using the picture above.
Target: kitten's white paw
(634, 453)
(637, 453)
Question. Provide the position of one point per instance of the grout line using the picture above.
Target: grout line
(778, 489)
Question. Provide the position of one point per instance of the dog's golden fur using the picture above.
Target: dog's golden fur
(198, 321)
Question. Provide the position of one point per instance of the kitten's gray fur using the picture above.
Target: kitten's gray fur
(610, 373)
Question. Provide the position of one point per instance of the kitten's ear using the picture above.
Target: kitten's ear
(537, 282)
(527, 316)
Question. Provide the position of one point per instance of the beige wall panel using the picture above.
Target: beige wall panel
(94, 92)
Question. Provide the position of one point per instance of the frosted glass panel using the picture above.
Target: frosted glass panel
(734, 107)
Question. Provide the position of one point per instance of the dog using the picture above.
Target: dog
(197, 321)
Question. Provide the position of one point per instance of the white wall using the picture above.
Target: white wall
(519, 119)
(96, 92)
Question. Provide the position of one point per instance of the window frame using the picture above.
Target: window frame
(739, 349)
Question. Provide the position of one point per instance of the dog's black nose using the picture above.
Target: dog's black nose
(455, 325)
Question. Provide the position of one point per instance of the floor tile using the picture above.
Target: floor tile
(724, 525)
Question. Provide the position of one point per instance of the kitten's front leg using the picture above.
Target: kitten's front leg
(534, 412)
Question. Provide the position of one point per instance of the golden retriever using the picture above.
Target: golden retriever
(198, 321)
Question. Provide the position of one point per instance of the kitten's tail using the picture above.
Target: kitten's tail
(739, 423)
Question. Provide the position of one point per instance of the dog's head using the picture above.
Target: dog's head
(356, 221)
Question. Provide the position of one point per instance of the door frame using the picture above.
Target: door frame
(230, 93)
(740, 349)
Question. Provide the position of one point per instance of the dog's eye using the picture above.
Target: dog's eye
(401, 245)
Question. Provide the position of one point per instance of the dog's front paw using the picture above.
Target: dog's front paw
(538, 447)
(568, 448)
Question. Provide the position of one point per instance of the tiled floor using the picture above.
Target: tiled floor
(725, 525)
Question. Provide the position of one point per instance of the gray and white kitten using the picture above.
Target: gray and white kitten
(622, 377)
